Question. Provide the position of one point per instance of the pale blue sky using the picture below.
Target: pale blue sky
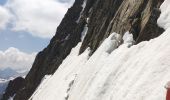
(27, 29)
(2, 2)
(21, 40)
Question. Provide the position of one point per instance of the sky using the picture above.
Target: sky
(26, 27)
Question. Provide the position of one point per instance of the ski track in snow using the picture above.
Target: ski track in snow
(136, 73)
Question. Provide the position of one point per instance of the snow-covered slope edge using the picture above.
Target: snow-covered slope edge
(136, 73)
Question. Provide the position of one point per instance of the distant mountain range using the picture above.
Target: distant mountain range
(8, 74)
(3, 85)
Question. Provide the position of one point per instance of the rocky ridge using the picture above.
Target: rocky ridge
(102, 17)
(13, 86)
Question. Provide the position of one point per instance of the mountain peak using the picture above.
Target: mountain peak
(102, 50)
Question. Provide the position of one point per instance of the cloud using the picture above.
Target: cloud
(4, 17)
(40, 18)
(16, 59)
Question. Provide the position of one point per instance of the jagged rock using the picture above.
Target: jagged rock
(67, 36)
(139, 17)
(13, 87)
(100, 16)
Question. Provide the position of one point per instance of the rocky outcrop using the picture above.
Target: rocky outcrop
(102, 17)
(139, 17)
(67, 36)
(13, 87)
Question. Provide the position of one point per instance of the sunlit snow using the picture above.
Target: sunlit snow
(136, 73)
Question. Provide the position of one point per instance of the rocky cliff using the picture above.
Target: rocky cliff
(139, 17)
(13, 86)
(101, 17)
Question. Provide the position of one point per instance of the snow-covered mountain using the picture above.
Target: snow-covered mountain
(105, 50)
(139, 72)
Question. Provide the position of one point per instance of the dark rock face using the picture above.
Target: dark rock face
(67, 36)
(139, 17)
(136, 16)
(99, 19)
(13, 87)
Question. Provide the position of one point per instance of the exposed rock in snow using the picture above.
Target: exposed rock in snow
(68, 35)
(93, 80)
(136, 73)
(66, 74)
(139, 17)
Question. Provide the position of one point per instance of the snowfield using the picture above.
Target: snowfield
(138, 72)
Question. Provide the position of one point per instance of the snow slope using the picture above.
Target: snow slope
(139, 72)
